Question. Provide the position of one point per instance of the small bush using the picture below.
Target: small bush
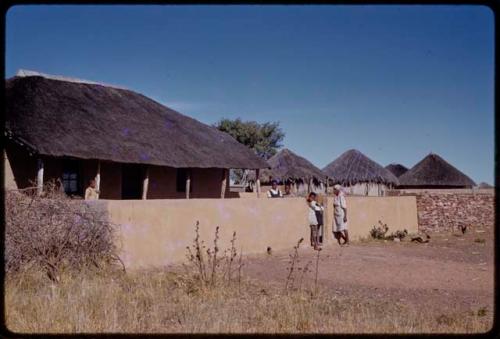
(482, 312)
(381, 231)
(378, 232)
(54, 232)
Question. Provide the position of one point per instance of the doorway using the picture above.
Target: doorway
(132, 181)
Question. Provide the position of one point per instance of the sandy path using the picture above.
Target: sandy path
(453, 271)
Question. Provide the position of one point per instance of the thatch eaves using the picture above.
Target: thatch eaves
(354, 167)
(434, 171)
(92, 121)
(396, 169)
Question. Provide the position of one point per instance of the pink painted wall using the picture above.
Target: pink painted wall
(156, 232)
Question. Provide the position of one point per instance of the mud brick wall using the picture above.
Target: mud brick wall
(443, 211)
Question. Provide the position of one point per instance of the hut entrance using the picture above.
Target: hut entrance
(131, 181)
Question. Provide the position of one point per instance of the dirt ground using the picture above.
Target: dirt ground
(451, 273)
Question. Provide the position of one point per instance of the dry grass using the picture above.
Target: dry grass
(209, 294)
(161, 301)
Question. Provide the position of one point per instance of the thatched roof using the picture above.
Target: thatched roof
(484, 185)
(56, 117)
(354, 167)
(396, 169)
(434, 171)
(286, 165)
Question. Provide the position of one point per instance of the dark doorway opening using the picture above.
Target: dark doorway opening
(131, 181)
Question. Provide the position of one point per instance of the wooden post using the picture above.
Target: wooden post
(188, 183)
(145, 183)
(257, 181)
(225, 177)
(98, 178)
(39, 178)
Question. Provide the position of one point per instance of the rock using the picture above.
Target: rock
(397, 240)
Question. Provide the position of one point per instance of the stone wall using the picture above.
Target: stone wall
(445, 211)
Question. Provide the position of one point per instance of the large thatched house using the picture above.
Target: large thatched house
(360, 175)
(74, 130)
(396, 169)
(288, 167)
(434, 172)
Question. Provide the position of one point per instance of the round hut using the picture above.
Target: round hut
(360, 175)
(434, 172)
(287, 167)
(396, 169)
(485, 185)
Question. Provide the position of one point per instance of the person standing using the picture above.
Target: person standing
(340, 216)
(91, 193)
(315, 219)
(274, 192)
(288, 191)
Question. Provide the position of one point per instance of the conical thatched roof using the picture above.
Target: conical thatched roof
(484, 185)
(287, 165)
(396, 169)
(86, 120)
(434, 171)
(353, 167)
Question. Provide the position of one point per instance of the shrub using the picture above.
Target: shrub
(381, 231)
(54, 232)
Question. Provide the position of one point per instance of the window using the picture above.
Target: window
(182, 174)
(70, 177)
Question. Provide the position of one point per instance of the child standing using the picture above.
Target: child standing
(315, 219)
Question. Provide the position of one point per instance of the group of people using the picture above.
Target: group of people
(275, 192)
(316, 210)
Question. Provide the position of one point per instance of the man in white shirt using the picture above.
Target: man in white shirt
(340, 215)
(274, 192)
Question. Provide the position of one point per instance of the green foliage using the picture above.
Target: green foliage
(264, 138)
(380, 232)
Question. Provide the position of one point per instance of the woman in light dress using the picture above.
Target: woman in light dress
(340, 216)
(315, 219)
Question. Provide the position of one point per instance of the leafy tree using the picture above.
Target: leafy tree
(264, 138)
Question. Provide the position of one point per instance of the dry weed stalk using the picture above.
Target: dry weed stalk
(240, 266)
(294, 260)
(304, 270)
(230, 258)
(316, 271)
(213, 262)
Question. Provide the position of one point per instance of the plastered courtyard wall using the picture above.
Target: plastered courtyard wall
(156, 232)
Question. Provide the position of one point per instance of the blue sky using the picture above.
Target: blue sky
(395, 82)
